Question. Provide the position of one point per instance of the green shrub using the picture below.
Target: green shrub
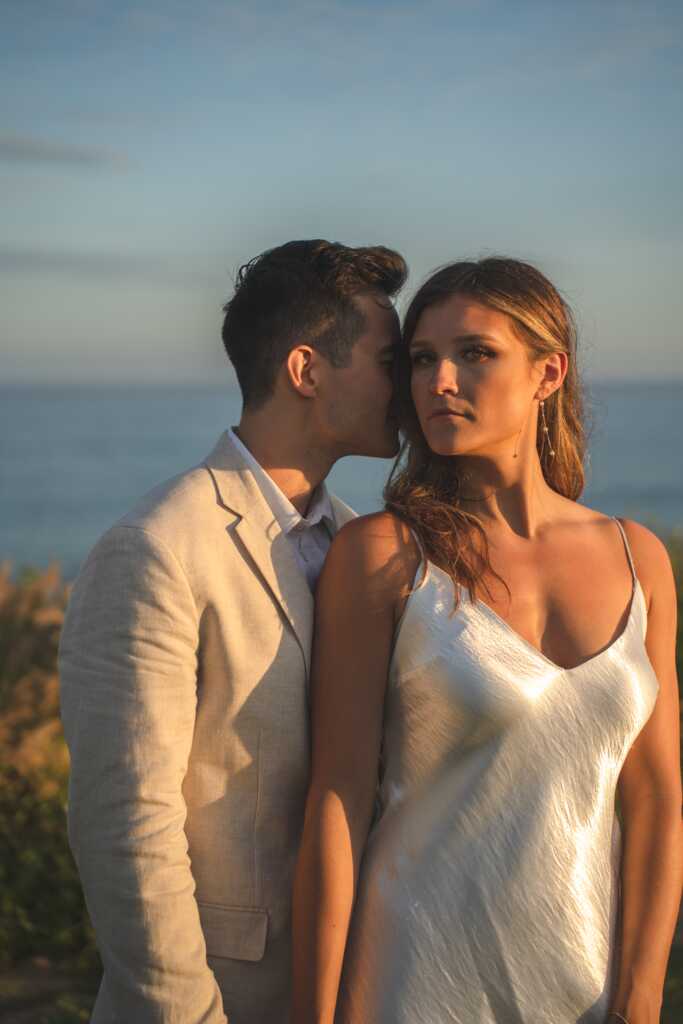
(675, 546)
(42, 911)
(41, 903)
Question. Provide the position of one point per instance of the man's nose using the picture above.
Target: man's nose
(444, 378)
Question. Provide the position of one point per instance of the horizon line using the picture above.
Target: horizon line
(231, 386)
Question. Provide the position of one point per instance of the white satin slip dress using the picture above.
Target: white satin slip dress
(489, 887)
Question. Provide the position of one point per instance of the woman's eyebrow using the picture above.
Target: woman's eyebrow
(458, 338)
(475, 337)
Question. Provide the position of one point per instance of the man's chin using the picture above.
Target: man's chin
(378, 446)
(387, 448)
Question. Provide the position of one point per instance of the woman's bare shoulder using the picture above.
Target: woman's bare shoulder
(646, 547)
(379, 549)
(650, 558)
(643, 542)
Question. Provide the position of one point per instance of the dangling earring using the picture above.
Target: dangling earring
(546, 433)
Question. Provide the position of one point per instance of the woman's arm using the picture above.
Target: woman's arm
(650, 797)
(367, 575)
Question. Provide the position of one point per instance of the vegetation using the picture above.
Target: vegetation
(43, 923)
(675, 546)
(48, 962)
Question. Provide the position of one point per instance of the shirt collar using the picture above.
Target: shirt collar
(288, 517)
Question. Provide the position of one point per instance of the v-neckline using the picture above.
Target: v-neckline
(481, 606)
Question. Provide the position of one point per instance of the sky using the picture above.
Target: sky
(147, 149)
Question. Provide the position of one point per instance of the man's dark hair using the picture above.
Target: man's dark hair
(302, 293)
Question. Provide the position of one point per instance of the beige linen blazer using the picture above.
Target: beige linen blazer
(184, 663)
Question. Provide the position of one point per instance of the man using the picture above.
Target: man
(186, 649)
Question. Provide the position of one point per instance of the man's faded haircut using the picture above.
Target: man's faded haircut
(302, 293)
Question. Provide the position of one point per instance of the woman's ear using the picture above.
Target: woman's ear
(553, 371)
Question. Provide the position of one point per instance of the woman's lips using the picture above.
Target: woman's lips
(446, 412)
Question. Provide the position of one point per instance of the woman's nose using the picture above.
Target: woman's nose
(444, 378)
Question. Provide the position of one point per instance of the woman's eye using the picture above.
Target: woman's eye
(420, 358)
(477, 353)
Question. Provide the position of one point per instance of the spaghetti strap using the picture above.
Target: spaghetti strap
(423, 565)
(622, 531)
(418, 542)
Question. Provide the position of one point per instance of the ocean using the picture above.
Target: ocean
(72, 460)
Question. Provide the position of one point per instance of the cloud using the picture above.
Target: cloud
(27, 149)
(98, 266)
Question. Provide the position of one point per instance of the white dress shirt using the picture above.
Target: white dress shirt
(309, 535)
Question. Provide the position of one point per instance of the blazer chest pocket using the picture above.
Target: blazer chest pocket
(234, 933)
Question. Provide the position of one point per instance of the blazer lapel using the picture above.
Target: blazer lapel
(259, 533)
(273, 556)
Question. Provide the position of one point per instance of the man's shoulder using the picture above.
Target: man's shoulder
(172, 521)
(172, 502)
(179, 503)
(178, 512)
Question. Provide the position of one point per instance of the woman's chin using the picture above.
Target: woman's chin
(441, 448)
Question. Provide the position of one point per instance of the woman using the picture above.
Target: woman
(500, 659)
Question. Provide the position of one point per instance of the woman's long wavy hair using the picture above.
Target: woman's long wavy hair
(424, 488)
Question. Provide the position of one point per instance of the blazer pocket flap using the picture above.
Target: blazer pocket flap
(236, 933)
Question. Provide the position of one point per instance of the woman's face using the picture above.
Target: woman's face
(472, 381)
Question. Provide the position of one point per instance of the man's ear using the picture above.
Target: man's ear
(302, 370)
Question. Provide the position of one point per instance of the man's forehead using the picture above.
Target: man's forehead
(377, 339)
(382, 328)
(373, 300)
